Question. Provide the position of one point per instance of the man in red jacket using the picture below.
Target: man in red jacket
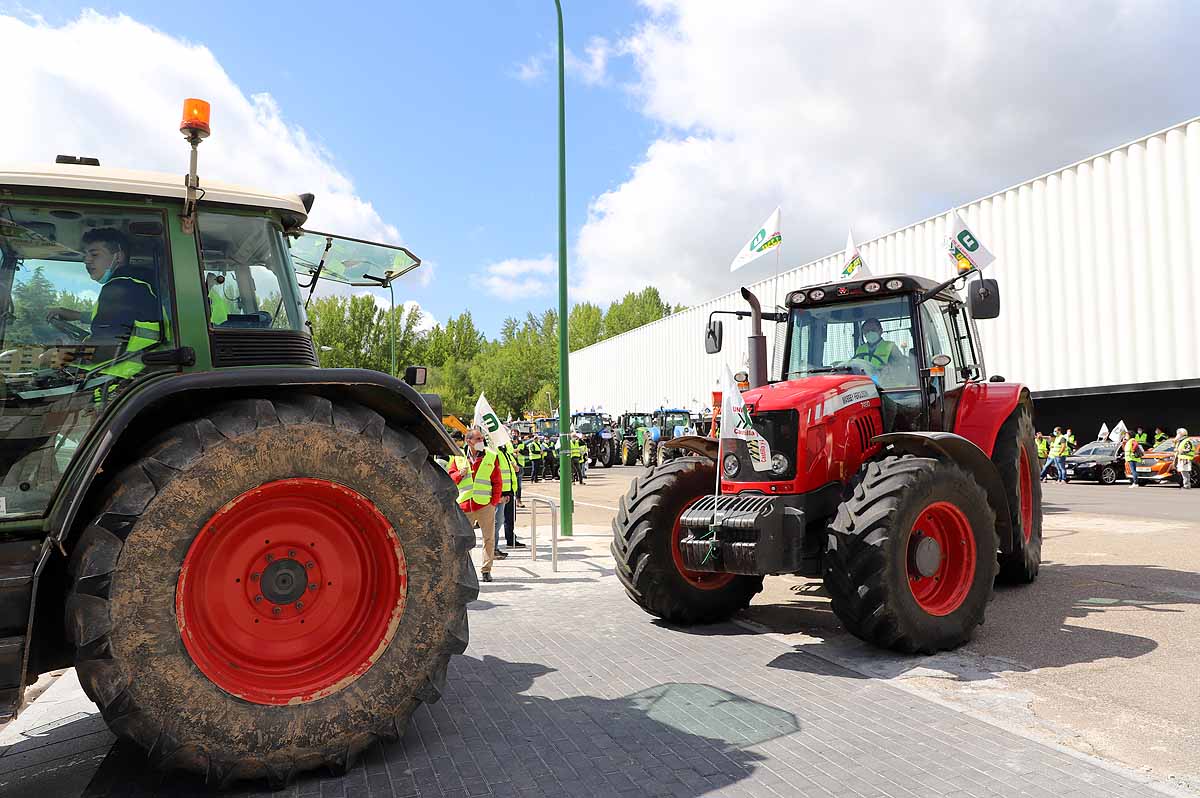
(479, 492)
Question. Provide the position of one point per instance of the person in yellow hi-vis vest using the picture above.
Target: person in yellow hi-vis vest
(510, 477)
(578, 455)
(480, 492)
(1133, 455)
(1043, 448)
(1185, 454)
(1059, 447)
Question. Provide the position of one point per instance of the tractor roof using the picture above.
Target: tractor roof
(72, 177)
(854, 288)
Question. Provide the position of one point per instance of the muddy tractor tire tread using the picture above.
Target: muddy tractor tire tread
(642, 532)
(130, 655)
(1020, 566)
(866, 569)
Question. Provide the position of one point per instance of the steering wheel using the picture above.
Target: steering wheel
(861, 366)
(72, 331)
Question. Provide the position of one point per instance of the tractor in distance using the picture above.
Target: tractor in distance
(631, 429)
(879, 458)
(665, 424)
(596, 430)
(253, 562)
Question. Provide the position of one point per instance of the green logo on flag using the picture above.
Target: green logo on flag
(968, 241)
(758, 239)
(852, 266)
(491, 422)
(743, 420)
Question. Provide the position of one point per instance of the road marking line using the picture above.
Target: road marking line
(585, 504)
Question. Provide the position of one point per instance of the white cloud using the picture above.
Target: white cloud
(591, 70)
(870, 114)
(113, 88)
(383, 302)
(520, 278)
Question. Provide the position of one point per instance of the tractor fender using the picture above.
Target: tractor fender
(966, 453)
(696, 444)
(984, 407)
(655, 434)
(155, 403)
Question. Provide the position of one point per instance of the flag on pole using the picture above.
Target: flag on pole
(964, 248)
(853, 267)
(766, 239)
(1118, 431)
(736, 424)
(487, 420)
(1103, 436)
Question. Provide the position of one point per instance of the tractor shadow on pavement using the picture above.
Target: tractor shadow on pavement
(490, 736)
(1052, 623)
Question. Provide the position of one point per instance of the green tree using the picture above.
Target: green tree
(458, 339)
(634, 310)
(585, 325)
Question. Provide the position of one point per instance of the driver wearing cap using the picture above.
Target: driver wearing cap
(875, 349)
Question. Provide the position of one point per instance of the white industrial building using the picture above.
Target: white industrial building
(1099, 282)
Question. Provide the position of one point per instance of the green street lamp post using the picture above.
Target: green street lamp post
(564, 385)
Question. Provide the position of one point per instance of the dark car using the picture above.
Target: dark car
(1100, 461)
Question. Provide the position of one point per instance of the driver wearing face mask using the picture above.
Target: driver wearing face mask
(127, 307)
(875, 349)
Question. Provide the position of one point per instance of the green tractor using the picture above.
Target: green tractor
(631, 429)
(254, 564)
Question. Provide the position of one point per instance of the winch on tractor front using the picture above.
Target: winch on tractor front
(897, 471)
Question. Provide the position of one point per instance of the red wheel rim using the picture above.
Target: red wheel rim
(941, 585)
(701, 580)
(1026, 498)
(291, 591)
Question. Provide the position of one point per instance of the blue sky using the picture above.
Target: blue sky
(420, 104)
(688, 120)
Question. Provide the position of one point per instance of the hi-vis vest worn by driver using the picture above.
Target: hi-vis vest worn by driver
(479, 487)
(143, 335)
(877, 354)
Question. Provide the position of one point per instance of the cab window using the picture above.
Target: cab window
(872, 337)
(247, 277)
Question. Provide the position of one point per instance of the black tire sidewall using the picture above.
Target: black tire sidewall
(143, 592)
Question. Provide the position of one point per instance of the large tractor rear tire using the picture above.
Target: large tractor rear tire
(272, 587)
(629, 453)
(911, 556)
(1015, 456)
(648, 452)
(607, 454)
(646, 534)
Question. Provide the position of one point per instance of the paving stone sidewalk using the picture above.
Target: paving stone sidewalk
(568, 689)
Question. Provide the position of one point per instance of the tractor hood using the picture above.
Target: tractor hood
(809, 392)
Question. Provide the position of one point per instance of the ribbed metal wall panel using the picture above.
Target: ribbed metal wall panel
(1098, 271)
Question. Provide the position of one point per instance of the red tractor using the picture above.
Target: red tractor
(895, 470)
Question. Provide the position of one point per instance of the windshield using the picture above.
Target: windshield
(349, 260)
(246, 273)
(546, 426)
(1165, 446)
(587, 424)
(872, 337)
(635, 421)
(673, 420)
(81, 300)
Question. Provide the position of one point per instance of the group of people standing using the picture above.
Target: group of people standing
(489, 483)
(1053, 451)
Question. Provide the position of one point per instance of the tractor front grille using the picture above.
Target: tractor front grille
(262, 348)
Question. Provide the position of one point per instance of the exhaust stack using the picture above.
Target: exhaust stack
(757, 341)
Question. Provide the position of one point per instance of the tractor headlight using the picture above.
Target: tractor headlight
(730, 465)
(816, 295)
(779, 463)
(894, 285)
(871, 288)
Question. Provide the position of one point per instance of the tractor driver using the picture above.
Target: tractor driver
(127, 309)
(875, 350)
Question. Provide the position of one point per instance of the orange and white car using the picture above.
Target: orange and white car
(1158, 464)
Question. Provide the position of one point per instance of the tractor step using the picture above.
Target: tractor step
(743, 534)
(18, 563)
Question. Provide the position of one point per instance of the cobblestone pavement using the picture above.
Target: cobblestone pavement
(568, 689)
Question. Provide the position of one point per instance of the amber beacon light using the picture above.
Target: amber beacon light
(195, 118)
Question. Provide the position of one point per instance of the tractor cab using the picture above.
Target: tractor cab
(913, 338)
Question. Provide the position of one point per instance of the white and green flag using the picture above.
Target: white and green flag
(1118, 431)
(487, 420)
(853, 266)
(766, 239)
(737, 425)
(964, 248)
(1103, 434)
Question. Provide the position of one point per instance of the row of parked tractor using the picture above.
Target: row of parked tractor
(629, 439)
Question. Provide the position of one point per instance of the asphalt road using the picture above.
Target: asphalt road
(1098, 655)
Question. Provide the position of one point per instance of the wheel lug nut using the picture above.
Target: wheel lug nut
(275, 610)
(291, 552)
(254, 577)
(257, 599)
(299, 605)
(309, 564)
(270, 557)
(312, 585)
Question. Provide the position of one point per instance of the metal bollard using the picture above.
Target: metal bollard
(535, 500)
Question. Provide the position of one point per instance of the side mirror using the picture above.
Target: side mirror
(941, 361)
(415, 375)
(714, 335)
(984, 299)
